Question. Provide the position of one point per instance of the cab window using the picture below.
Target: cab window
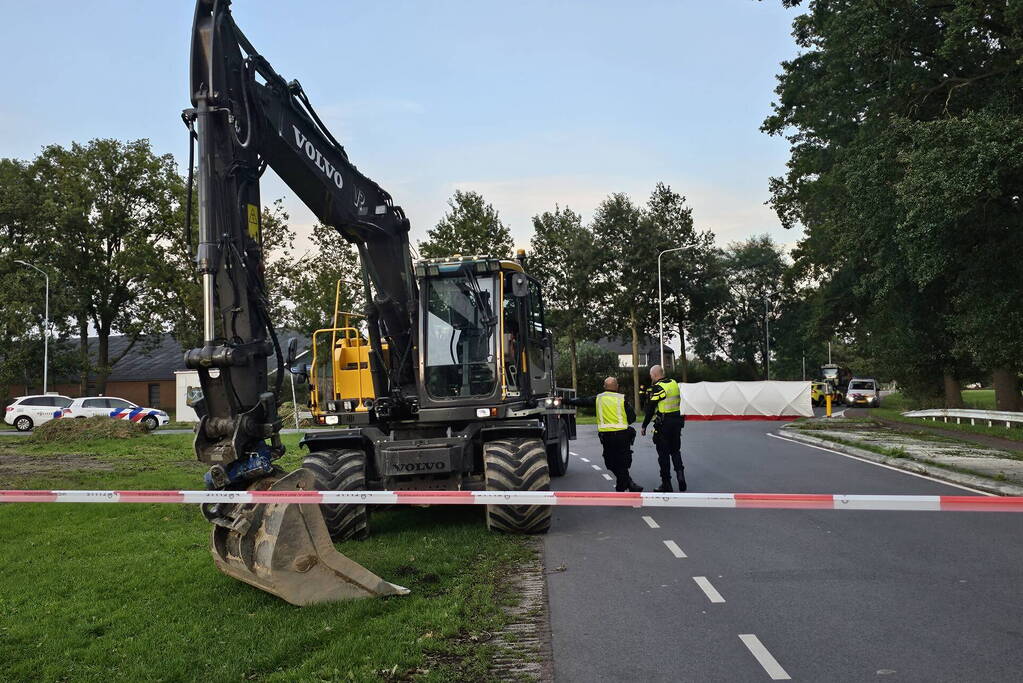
(536, 321)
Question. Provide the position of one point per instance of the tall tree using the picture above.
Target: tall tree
(626, 282)
(103, 205)
(562, 258)
(471, 226)
(686, 273)
(879, 99)
(737, 329)
(333, 259)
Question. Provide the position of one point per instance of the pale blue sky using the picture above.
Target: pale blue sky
(531, 103)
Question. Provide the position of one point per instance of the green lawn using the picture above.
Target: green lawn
(979, 399)
(895, 415)
(90, 592)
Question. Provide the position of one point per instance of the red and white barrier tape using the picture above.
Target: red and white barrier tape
(800, 501)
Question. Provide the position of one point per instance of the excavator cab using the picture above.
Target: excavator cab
(483, 342)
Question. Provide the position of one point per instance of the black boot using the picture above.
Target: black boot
(665, 486)
(634, 487)
(682, 479)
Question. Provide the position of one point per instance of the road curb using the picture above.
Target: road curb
(908, 464)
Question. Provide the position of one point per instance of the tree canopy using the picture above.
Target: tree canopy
(904, 123)
(470, 227)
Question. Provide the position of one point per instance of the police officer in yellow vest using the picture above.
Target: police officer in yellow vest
(614, 415)
(665, 400)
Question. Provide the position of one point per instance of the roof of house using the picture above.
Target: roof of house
(156, 360)
(646, 345)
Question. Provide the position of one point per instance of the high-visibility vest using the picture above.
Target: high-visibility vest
(668, 396)
(611, 412)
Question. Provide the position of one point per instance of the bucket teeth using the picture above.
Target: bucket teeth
(285, 549)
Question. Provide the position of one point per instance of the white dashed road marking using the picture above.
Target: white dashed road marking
(651, 523)
(709, 590)
(677, 552)
(607, 476)
(596, 467)
(770, 664)
(584, 459)
(573, 453)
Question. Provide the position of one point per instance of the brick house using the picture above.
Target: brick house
(143, 376)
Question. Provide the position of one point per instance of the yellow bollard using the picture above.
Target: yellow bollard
(827, 404)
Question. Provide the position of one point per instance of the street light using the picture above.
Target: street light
(660, 302)
(767, 336)
(46, 322)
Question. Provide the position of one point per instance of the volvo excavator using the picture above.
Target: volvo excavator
(446, 384)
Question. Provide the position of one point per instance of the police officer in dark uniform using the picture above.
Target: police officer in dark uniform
(665, 401)
(614, 417)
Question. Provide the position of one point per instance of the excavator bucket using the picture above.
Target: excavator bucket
(285, 549)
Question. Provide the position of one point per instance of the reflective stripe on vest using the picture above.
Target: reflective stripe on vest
(611, 412)
(672, 401)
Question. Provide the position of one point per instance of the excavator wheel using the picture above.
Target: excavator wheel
(557, 453)
(517, 465)
(341, 470)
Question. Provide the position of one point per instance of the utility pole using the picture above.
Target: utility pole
(804, 366)
(46, 324)
(660, 303)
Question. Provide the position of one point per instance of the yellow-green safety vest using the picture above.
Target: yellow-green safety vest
(668, 397)
(611, 412)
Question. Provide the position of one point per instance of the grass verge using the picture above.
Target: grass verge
(887, 413)
(978, 399)
(900, 453)
(87, 590)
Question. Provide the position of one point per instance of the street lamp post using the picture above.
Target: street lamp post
(46, 323)
(767, 336)
(660, 302)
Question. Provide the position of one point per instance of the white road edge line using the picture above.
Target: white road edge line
(677, 552)
(607, 476)
(596, 467)
(584, 459)
(650, 522)
(766, 660)
(708, 589)
(573, 453)
(887, 467)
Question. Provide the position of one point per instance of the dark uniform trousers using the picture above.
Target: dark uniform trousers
(618, 455)
(668, 440)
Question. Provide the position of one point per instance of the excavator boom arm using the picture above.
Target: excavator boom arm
(247, 117)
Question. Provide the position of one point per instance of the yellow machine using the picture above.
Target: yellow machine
(340, 380)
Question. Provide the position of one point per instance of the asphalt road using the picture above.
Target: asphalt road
(827, 595)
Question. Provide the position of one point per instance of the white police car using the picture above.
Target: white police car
(29, 411)
(118, 409)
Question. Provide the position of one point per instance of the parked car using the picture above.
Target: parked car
(118, 409)
(29, 411)
(863, 392)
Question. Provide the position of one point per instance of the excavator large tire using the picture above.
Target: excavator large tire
(341, 470)
(517, 465)
(558, 453)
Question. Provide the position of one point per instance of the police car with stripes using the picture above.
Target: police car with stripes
(118, 409)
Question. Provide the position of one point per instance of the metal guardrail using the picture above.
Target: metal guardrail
(961, 414)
